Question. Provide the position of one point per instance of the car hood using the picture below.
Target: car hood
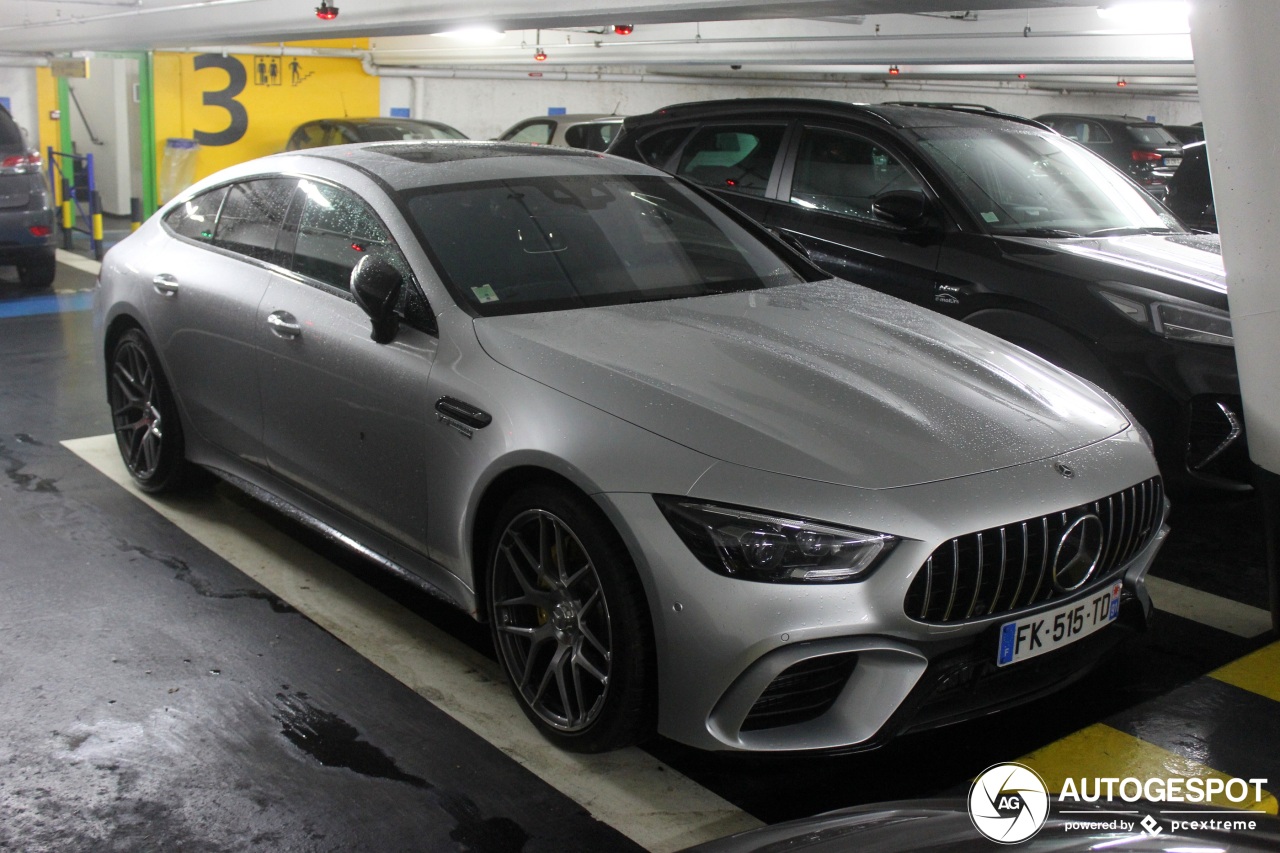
(826, 381)
(1192, 258)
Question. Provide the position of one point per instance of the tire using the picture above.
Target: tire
(570, 621)
(38, 273)
(144, 416)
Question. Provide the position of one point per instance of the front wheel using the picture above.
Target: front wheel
(143, 415)
(570, 621)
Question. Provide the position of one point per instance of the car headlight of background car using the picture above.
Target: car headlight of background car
(1178, 321)
(758, 546)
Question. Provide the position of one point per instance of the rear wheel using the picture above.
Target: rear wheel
(37, 273)
(570, 622)
(143, 415)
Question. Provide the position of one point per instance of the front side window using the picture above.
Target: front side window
(195, 217)
(656, 148)
(251, 215)
(592, 137)
(1032, 183)
(738, 158)
(553, 243)
(335, 231)
(841, 173)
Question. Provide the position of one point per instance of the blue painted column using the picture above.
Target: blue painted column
(1237, 66)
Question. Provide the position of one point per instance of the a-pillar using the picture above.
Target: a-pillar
(1238, 66)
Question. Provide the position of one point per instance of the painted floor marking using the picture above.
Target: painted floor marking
(654, 805)
(79, 262)
(1258, 672)
(1101, 752)
(1243, 620)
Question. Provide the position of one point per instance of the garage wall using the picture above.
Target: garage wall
(505, 102)
(101, 97)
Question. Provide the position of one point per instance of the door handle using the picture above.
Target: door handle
(165, 284)
(284, 325)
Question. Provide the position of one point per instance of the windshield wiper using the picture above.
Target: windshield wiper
(1127, 230)
(1045, 232)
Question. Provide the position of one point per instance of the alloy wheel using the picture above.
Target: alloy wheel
(135, 410)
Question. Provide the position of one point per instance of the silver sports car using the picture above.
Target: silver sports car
(694, 484)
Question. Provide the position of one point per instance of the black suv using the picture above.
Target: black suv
(26, 218)
(1145, 149)
(996, 221)
(1191, 191)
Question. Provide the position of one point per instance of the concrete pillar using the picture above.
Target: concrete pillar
(1237, 65)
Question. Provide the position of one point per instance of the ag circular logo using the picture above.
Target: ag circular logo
(1008, 803)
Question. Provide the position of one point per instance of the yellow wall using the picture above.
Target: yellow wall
(47, 129)
(196, 97)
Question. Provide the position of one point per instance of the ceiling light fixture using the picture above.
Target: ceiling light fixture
(1122, 82)
(623, 29)
(1162, 12)
(325, 11)
(893, 71)
(473, 35)
(540, 55)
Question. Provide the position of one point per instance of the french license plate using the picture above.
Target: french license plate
(1044, 632)
(1173, 162)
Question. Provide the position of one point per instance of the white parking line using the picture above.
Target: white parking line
(1206, 608)
(654, 805)
(71, 259)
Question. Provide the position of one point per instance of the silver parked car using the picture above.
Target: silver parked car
(694, 484)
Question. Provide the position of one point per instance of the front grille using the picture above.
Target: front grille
(802, 692)
(1008, 568)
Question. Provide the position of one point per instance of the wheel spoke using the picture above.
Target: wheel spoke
(591, 638)
(583, 663)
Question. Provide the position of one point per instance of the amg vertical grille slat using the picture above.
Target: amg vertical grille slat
(982, 567)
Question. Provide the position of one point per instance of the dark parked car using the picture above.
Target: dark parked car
(26, 217)
(591, 131)
(1145, 149)
(340, 131)
(1187, 133)
(998, 222)
(1191, 192)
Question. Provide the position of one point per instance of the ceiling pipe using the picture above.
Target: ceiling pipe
(23, 61)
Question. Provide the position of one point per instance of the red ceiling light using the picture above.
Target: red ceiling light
(623, 29)
(1122, 82)
(1022, 77)
(326, 11)
(540, 55)
(893, 71)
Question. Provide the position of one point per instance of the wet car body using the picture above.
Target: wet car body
(758, 476)
(1086, 301)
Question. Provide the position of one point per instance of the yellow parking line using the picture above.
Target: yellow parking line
(1101, 752)
(1258, 672)
(649, 802)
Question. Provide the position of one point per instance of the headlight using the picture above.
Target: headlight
(756, 546)
(1200, 324)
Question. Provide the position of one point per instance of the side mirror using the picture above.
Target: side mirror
(905, 208)
(376, 285)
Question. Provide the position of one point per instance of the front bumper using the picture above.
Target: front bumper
(724, 645)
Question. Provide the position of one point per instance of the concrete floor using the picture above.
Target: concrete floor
(204, 675)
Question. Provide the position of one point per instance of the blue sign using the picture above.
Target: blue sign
(399, 112)
(556, 111)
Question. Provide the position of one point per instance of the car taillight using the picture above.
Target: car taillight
(21, 164)
(1140, 156)
(40, 230)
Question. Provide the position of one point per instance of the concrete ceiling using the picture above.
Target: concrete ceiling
(1052, 43)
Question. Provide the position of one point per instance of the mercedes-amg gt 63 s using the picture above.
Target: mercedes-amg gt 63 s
(694, 484)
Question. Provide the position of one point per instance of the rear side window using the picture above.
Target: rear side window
(1152, 134)
(195, 217)
(737, 158)
(307, 136)
(251, 217)
(656, 148)
(538, 132)
(593, 137)
(1080, 130)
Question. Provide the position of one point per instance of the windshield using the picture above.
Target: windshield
(548, 243)
(1038, 184)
